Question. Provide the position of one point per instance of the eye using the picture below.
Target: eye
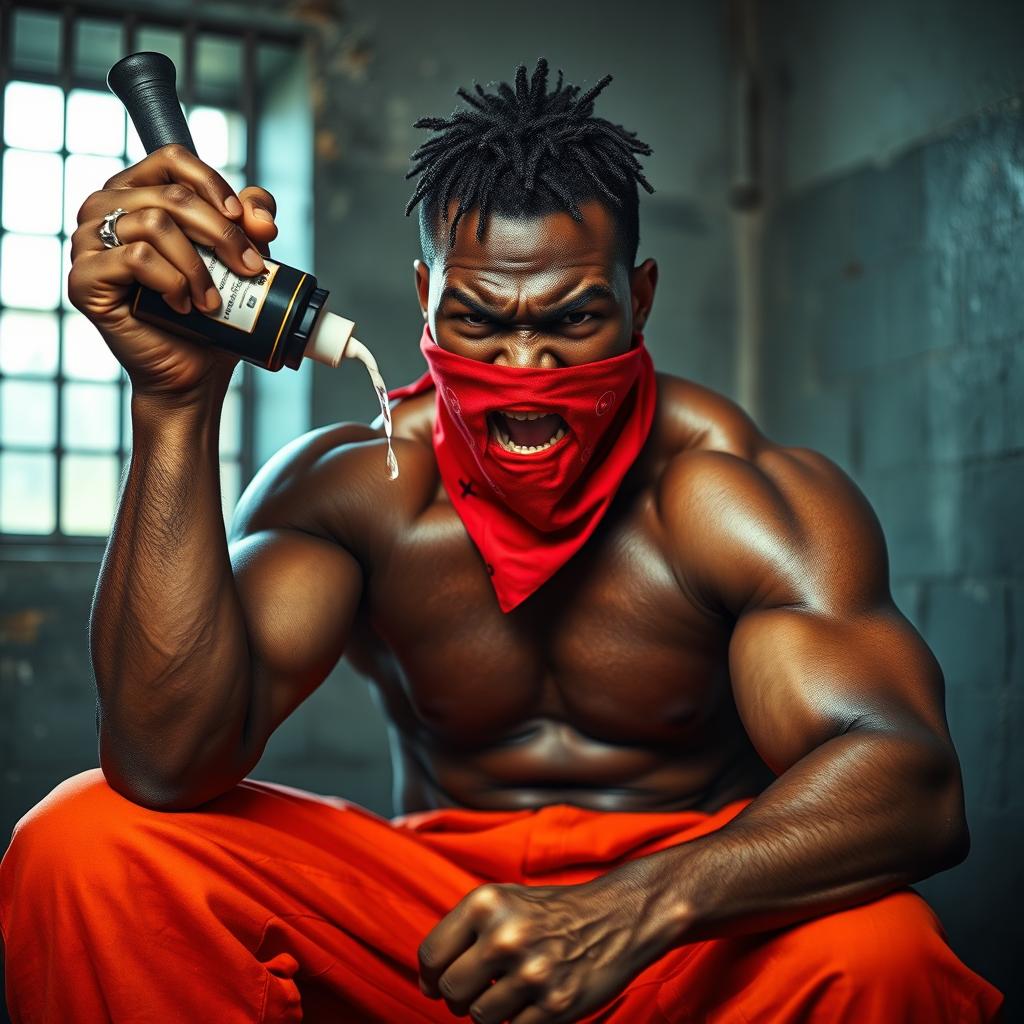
(577, 318)
(473, 320)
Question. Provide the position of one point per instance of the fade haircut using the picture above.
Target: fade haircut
(524, 152)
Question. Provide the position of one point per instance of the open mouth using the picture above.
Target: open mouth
(526, 432)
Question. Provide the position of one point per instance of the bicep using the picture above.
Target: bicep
(299, 594)
(298, 585)
(818, 646)
(802, 677)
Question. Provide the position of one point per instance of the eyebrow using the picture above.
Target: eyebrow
(594, 291)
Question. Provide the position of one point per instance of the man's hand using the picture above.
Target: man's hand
(172, 201)
(554, 953)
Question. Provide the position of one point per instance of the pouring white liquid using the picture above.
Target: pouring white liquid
(332, 341)
(355, 349)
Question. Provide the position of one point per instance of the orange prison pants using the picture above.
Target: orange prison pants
(274, 904)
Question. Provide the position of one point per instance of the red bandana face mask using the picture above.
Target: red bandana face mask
(529, 512)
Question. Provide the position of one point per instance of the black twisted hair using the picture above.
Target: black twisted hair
(526, 151)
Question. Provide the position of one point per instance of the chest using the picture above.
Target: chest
(610, 645)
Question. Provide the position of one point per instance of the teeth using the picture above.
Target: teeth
(524, 415)
(509, 445)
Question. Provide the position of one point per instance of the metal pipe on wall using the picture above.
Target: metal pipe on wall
(745, 199)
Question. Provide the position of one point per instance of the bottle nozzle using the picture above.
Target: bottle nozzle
(331, 336)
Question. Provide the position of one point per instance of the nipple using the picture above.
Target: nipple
(355, 349)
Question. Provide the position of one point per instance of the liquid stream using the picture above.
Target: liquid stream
(357, 350)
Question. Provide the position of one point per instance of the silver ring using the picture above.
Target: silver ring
(107, 234)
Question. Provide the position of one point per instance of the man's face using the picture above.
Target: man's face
(539, 293)
(544, 292)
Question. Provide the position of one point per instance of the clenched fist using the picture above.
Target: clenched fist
(537, 954)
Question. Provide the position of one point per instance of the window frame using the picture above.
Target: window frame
(39, 546)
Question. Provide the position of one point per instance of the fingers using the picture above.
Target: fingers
(173, 199)
(259, 202)
(190, 211)
(501, 1002)
(159, 229)
(535, 1015)
(464, 980)
(259, 208)
(449, 939)
(137, 261)
(176, 164)
(467, 985)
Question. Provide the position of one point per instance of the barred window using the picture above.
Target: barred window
(65, 425)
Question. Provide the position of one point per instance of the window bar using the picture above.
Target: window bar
(66, 66)
(186, 77)
(247, 452)
(212, 21)
(6, 22)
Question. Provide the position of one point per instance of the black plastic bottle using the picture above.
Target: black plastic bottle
(270, 320)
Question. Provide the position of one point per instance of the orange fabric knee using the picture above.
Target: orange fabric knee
(880, 962)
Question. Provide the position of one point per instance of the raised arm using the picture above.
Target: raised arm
(837, 690)
(201, 652)
(194, 668)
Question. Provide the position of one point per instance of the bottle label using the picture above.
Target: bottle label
(241, 298)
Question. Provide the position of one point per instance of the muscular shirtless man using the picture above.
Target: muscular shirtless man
(665, 748)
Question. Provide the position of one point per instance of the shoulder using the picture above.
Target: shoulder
(749, 521)
(692, 417)
(332, 482)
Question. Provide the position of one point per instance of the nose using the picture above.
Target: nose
(529, 350)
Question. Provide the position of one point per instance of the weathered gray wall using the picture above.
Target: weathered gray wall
(867, 79)
(894, 315)
(47, 693)
(406, 60)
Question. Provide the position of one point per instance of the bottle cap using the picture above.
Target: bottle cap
(330, 335)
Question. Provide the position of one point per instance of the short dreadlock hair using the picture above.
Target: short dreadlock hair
(524, 152)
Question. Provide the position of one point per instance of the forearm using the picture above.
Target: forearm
(859, 816)
(167, 635)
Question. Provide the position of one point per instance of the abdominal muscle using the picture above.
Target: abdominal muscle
(553, 763)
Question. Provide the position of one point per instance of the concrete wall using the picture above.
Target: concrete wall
(47, 693)
(893, 323)
(400, 61)
(864, 81)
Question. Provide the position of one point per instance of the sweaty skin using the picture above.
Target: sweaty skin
(611, 687)
(727, 632)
